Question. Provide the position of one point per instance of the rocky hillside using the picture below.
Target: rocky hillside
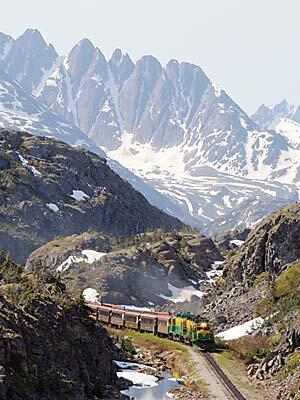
(270, 247)
(147, 269)
(49, 347)
(251, 271)
(50, 189)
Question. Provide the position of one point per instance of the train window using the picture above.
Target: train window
(162, 322)
(116, 315)
(130, 318)
(147, 320)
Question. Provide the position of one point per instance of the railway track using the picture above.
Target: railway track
(232, 389)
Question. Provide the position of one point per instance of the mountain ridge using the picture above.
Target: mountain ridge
(175, 129)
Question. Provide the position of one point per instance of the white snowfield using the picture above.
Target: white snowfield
(139, 379)
(90, 295)
(210, 189)
(182, 294)
(89, 257)
(241, 330)
(92, 255)
(79, 195)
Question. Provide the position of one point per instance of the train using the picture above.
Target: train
(183, 327)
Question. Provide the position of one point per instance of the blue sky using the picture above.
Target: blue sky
(249, 47)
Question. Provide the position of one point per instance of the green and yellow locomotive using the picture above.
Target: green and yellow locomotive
(184, 327)
(190, 329)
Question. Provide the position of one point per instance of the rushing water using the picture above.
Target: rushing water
(158, 392)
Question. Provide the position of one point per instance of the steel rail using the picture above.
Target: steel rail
(233, 390)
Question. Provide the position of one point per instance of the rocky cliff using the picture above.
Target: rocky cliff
(49, 346)
(249, 274)
(148, 269)
(270, 247)
(49, 189)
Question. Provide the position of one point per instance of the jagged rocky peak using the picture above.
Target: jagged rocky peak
(266, 117)
(121, 67)
(29, 58)
(79, 59)
(177, 123)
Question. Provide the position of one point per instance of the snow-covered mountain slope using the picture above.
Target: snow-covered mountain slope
(284, 118)
(175, 129)
(22, 111)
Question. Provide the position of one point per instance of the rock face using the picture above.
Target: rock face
(196, 145)
(269, 250)
(52, 352)
(285, 359)
(233, 239)
(270, 247)
(50, 347)
(50, 189)
(135, 272)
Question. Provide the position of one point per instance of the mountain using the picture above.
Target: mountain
(28, 58)
(284, 118)
(177, 130)
(148, 269)
(51, 189)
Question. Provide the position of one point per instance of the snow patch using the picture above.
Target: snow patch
(92, 255)
(139, 379)
(237, 242)
(52, 207)
(132, 365)
(241, 330)
(26, 164)
(182, 294)
(89, 257)
(79, 195)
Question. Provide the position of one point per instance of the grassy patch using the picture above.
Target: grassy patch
(283, 295)
(249, 348)
(235, 370)
(292, 363)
